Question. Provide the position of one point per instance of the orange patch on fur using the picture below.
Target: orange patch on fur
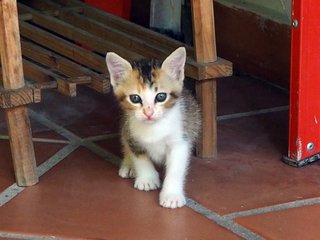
(170, 103)
(155, 75)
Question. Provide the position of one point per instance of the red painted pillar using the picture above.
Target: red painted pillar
(304, 119)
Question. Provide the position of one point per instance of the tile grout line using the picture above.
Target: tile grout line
(74, 138)
(252, 113)
(220, 220)
(53, 126)
(75, 142)
(56, 158)
(229, 224)
(102, 137)
(9, 193)
(13, 190)
(40, 140)
(274, 208)
(26, 237)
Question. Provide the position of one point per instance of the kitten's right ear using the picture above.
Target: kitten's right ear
(117, 67)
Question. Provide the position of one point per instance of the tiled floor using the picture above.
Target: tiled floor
(247, 192)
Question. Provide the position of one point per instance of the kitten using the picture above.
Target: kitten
(161, 122)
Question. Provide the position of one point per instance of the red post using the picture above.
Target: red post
(304, 119)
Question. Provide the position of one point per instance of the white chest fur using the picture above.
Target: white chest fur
(157, 137)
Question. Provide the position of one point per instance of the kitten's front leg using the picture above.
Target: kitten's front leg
(126, 168)
(147, 177)
(172, 193)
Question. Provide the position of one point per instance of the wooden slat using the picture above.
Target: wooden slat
(36, 94)
(63, 65)
(67, 88)
(25, 17)
(27, 69)
(49, 7)
(40, 74)
(37, 73)
(15, 98)
(106, 36)
(65, 48)
(219, 68)
(142, 43)
(41, 5)
(204, 71)
(17, 118)
(112, 35)
(156, 39)
(45, 85)
(78, 35)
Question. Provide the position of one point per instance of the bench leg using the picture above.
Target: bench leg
(206, 95)
(17, 118)
(21, 146)
(205, 51)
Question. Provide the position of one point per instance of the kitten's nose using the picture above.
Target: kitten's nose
(148, 112)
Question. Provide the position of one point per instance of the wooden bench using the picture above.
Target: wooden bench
(64, 43)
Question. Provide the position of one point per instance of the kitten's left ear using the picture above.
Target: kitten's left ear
(173, 65)
(117, 67)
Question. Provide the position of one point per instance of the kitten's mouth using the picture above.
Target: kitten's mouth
(149, 120)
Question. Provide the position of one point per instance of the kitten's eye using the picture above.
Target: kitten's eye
(134, 98)
(161, 97)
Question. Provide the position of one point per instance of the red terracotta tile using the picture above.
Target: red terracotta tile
(6, 168)
(82, 197)
(112, 145)
(43, 151)
(242, 94)
(89, 114)
(294, 224)
(248, 172)
(48, 135)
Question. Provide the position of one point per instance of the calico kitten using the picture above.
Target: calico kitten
(161, 122)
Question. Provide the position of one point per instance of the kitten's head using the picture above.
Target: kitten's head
(147, 89)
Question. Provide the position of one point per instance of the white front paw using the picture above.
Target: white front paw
(172, 200)
(147, 183)
(127, 172)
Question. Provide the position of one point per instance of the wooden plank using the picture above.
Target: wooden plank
(221, 68)
(110, 40)
(204, 31)
(25, 16)
(132, 29)
(40, 74)
(46, 85)
(48, 7)
(78, 35)
(113, 35)
(67, 88)
(36, 90)
(63, 65)
(41, 5)
(205, 52)
(36, 94)
(37, 73)
(65, 48)
(205, 71)
(16, 97)
(18, 123)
